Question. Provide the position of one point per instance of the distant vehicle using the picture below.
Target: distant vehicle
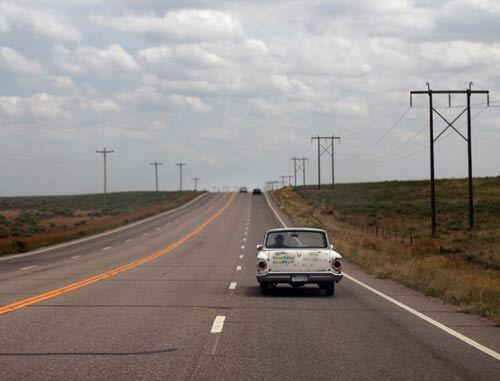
(243, 190)
(256, 191)
(298, 256)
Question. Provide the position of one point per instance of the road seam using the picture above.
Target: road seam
(28, 267)
(422, 316)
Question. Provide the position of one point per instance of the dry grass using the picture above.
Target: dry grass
(474, 289)
(51, 229)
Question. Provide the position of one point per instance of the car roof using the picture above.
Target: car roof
(295, 229)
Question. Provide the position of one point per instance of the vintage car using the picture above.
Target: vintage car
(298, 256)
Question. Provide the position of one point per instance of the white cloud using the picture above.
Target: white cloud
(103, 105)
(10, 106)
(16, 62)
(187, 54)
(112, 59)
(37, 22)
(181, 25)
(61, 82)
(87, 59)
(150, 97)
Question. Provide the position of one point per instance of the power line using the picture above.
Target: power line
(392, 127)
(402, 144)
(466, 68)
(427, 145)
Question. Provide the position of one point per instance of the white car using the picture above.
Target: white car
(298, 256)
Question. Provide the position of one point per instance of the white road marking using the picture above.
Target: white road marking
(232, 285)
(429, 320)
(246, 233)
(157, 228)
(244, 239)
(28, 267)
(128, 240)
(242, 247)
(241, 256)
(106, 248)
(218, 324)
(145, 233)
(238, 268)
(76, 256)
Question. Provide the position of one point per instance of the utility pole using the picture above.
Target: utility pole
(156, 164)
(273, 183)
(298, 164)
(195, 179)
(283, 181)
(289, 180)
(294, 159)
(105, 154)
(449, 124)
(180, 165)
(304, 170)
(329, 148)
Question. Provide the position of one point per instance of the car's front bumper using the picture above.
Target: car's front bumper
(312, 277)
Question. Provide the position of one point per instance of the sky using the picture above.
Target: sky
(234, 89)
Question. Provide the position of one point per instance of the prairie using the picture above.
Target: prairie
(27, 223)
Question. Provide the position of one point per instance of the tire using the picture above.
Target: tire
(264, 288)
(330, 289)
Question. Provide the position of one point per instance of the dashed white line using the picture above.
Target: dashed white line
(244, 239)
(75, 256)
(242, 247)
(128, 240)
(218, 324)
(238, 268)
(246, 233)
(241, 256)
(28, 267)
(157, 228)
(232, 285)
(145, 233)
(106, 248)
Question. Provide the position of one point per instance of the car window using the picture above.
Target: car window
(296, 239)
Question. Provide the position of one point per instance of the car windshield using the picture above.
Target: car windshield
(296, 239)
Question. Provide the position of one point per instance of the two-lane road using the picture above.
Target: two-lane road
(185, 305)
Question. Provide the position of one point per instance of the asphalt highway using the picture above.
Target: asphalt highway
(175, 297)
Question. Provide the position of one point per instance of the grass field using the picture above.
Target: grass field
(27, 223)
(470, 278)
(402, 208)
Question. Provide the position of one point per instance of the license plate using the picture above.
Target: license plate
(299, 278)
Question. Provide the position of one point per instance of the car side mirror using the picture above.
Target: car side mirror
(331, 247)
(260, 247)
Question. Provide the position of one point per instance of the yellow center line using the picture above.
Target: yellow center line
(74, 286)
